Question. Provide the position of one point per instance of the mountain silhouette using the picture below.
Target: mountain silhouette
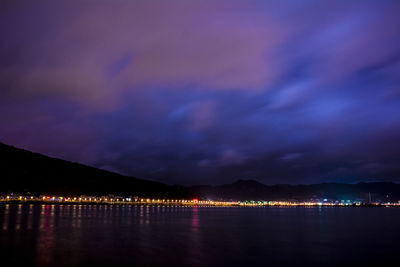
(23, 171)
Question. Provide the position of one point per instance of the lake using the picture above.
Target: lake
(104, 235)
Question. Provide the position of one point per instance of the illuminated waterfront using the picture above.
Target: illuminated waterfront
(113, 200)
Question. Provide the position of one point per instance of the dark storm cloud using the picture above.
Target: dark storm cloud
(211, 91)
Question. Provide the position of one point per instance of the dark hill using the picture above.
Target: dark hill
(253, 190)
(25, 171)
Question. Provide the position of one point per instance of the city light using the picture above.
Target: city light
(15, 198)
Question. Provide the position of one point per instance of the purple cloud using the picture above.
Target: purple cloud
(206, 91)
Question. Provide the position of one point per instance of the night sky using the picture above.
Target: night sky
(206, 92)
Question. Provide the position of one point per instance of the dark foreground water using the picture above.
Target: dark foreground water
(88, 235)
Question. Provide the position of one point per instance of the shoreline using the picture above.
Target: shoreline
(206, 205)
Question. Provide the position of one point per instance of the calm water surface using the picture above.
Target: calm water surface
(87, 235)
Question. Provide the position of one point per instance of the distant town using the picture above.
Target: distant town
(119, 200)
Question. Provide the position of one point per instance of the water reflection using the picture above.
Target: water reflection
(45, 236)
(6, 216)
(191, 236)
(195, 252)
(30, 217)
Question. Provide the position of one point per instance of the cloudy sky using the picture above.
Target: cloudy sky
(197, 92)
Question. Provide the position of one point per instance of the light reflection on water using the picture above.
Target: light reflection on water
(66, 235)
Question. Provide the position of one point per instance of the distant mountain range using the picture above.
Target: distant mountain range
(253, 190)
(23, 171)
